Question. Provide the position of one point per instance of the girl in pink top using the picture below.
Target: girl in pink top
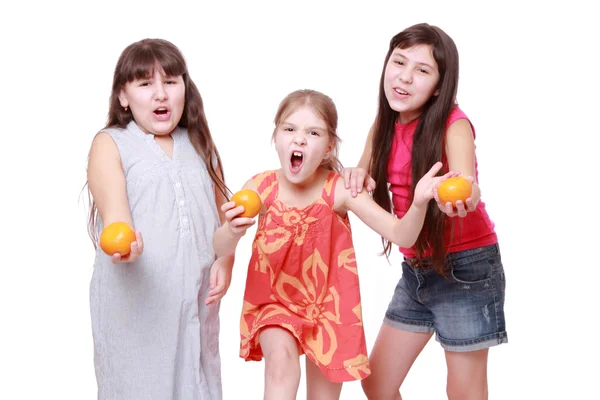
(452, 278)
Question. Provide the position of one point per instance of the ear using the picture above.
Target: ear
(123, 99)
(437, 92)
(328, 151)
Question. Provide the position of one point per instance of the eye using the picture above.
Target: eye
(288, 129)
(171, 82)
(314, 133)
(423, 71)
(144, 83)
(399, 62)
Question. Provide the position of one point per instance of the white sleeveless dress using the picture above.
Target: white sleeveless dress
(153, 336)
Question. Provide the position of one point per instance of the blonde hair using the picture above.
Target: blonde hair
(324, 107)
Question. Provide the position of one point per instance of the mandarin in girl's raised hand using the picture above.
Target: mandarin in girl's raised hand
(454, 189)
(250, 200)
(117, 238)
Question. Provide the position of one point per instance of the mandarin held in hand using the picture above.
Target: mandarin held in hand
(250, 200)
(117, 238)
(454, 189)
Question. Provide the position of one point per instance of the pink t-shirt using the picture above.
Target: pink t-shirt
(475, 230)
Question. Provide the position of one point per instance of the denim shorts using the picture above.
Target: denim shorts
(465, 308)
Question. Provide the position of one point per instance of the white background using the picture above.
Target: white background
(528, 81)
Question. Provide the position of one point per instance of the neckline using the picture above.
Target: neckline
(149, 138)
(308, 206)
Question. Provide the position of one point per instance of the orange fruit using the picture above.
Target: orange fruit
(454, 189)
(250, 200)
(117, 238)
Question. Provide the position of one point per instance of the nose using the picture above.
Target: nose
(300, 139)
(160, 93)
(406, 75)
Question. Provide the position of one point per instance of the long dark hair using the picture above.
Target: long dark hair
(138, 61)
(429, 137)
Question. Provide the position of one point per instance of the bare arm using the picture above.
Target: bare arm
(231, 231)
(403, 232)
(460, 151)
(220, 271)
(220, 199)
(106, 181)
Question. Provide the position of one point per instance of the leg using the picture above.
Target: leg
(318, 387)
(467, 375)
(282, 366)
(393, 354)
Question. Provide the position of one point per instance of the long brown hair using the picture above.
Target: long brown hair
(138, 61)
(325, 108)
(429, 137)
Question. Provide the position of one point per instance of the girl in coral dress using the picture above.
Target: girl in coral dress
(302, 291)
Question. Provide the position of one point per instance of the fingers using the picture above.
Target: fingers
(356, 183)
(240, 224)
(210, 300)
(217, 291)
(371, 184)
(470, 205)
(227, 206)
(346, 174)
(135, 251)
(232, 212)
(449, 174)
(448, 208)
(435, 169)
(460, 209)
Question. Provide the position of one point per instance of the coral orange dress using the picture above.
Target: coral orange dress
(303, 277)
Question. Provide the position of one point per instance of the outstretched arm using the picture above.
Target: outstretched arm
(404, 231)
(460, 151)
(106, 181)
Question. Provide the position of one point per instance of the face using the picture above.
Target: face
(156, 102)
(302, 143)
(411, 77)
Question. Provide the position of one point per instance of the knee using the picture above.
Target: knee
(372, 389)
(367, 388)
(471, 391)
(282, 365)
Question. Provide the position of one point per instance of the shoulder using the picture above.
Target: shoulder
(103, 144)
(341, 195)
(263, 178)
(459, 123)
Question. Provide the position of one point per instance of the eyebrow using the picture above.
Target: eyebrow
(310, 127)
(396, 53)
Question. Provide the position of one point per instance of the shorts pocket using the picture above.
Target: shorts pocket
(475, 275)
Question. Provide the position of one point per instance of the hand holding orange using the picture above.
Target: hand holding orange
(454, 189)
(250, 200)
(117, 238)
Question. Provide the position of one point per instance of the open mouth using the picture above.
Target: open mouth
(296, 161)
(162, 112)
(401, 92)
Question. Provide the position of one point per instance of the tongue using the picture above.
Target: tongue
(296, 161)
